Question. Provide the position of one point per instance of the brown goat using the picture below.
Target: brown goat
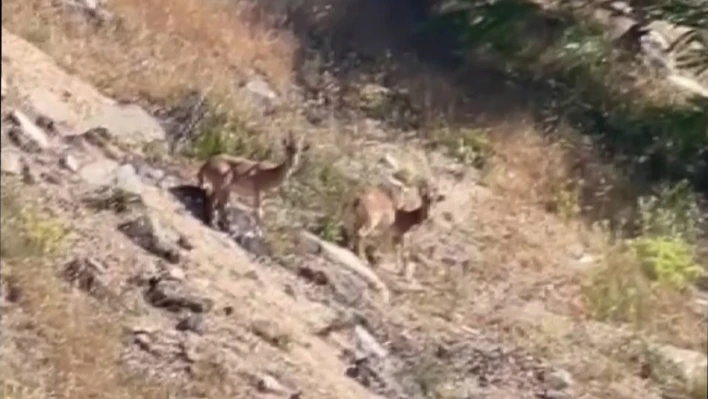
(227, 173)
(375, 209)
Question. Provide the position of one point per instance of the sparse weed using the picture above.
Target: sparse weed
(321, 189)
(26, 231)
(468, 145)
(220, 132)
(619, 291)
(564, 201)
(429, 375)
(671, 211)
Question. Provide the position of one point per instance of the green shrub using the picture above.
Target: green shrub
(220, 132)
(667, 259)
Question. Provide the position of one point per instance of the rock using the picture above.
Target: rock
(88, 275)
(129, 122)
(151, 235)
(185, 243)
(174, 273)
(11, 162)
(29, 176)
(126, 178)
(174, 297)
(191, 322)
(552, 394)
(242, 227)
(267, 383)
(368, 343)
(69, 163)
(98, 173)
(30, 130)
(690, 365)
(3, 86)
(10, 289)
(317, 277)
(261, 88)
(559, 379)
(261, 94)
(271, 333)
(346, 258)
(46, 123)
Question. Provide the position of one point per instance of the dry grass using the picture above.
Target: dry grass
(620, 292)
(158, 47)
(75, 345)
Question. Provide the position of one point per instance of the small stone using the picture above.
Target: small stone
(70, 163)
(11, 162)
(193, 322)
(261, 88)
(552, 394)
(126, 178)
(3, 86)
(560, 379)
(28, 175)
(99, 172)
(185, 243)
(46, 123)
(143, 341)
(175, 273)
(30, 129)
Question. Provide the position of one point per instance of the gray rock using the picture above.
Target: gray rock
(193, 322)
(30, 130)
(3, 86)
(151, 235)
(129, 123)
(11, 162)
(98, 173)
(261, 88)
(261, 95)
(69, 163)
(126, 178)
(691, 365)
(175, 297)
(174, 273)
(90, 276)
(559, 379)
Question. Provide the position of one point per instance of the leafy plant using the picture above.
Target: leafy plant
(220, 133)
(666, 259)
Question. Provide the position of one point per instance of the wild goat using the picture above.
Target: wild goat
(375, 208)
(226, 173)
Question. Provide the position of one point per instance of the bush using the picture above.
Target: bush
(27, 232)
(219, 132)
(667, 259)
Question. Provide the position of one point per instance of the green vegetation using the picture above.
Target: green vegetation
(467, 145)
(27, 232)
(580, 77)
(221, 132)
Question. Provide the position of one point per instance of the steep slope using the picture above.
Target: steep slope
(199, 315)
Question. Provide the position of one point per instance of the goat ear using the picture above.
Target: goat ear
(306, 147)
(440, 197)
(284, 142)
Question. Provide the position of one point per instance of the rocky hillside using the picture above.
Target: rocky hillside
(112, 286)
